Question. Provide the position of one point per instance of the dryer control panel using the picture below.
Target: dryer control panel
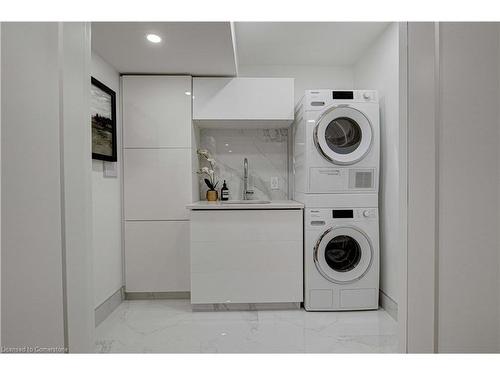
(318, 99)
(320, 217)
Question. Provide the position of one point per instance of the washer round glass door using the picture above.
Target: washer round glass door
(343, 254)
(343, 135)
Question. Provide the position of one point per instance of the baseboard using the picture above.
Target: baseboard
(245, 306)
(102, 311)
(156, 295)
(389, 305)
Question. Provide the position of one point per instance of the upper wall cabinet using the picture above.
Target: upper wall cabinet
(243, 102)
(156, 111)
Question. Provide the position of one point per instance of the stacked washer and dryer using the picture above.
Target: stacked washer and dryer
(336, 157)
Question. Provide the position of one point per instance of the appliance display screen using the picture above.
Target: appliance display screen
(342, 214)
(342, 95)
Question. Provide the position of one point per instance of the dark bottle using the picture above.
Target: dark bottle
(224, 192)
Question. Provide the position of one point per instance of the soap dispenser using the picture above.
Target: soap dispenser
(224, 192)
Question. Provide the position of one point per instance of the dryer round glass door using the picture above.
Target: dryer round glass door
(343, 254)
(343, 135)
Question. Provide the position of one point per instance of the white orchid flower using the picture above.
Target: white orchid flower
(204, 153)
(209, 170)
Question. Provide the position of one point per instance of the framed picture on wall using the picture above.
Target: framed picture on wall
(103, 119)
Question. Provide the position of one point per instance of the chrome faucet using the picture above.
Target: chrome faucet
(246, 192)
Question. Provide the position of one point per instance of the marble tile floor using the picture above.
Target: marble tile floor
(169, 326)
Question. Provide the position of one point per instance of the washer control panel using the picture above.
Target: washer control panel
(319, 217)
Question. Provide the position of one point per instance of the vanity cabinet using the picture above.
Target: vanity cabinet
(158, 165)
(243, 102)
(246, 256)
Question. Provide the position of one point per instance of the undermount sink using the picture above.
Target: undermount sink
(247, 201)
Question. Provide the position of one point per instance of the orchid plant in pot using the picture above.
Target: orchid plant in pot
(208, 175)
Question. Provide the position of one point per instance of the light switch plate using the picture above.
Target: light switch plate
(275, 185)
(110, 169)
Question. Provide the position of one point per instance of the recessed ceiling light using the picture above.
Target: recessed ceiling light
(153, 38)
(188, 93)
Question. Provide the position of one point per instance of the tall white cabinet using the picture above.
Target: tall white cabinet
(158, 166)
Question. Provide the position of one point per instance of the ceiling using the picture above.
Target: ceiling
(196, 48)
(304, 43)
(207, 48)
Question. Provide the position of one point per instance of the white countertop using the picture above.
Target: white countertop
(205, 205)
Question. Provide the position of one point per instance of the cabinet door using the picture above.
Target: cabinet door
(157, 256)
(156, 111)
(246, 256)
(157, 184)
(243, 98)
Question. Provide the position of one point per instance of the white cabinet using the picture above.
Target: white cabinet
(243, 102)
(156, 256)
(157, 181)
(156, 111)
(246, 256)
(157, 184)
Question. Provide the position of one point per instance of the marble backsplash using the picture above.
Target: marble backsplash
(267, 154)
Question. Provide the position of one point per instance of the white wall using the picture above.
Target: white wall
(453, 187)
(75, 156)
(378, 68)
(468, 249)
(421, 189)
(307, 77)
(106, 194)
(0, 185)
(46, 246)
(32, 295)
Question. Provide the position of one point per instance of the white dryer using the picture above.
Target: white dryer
(336, 145)
(341, 258)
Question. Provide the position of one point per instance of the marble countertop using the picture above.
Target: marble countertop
(273, 205)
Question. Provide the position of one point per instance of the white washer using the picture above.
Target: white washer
(336, 142)
(341, 258)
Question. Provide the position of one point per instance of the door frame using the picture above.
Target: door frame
(403, 183)
(419, 119)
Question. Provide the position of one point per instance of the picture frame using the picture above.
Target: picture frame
(103, 121)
